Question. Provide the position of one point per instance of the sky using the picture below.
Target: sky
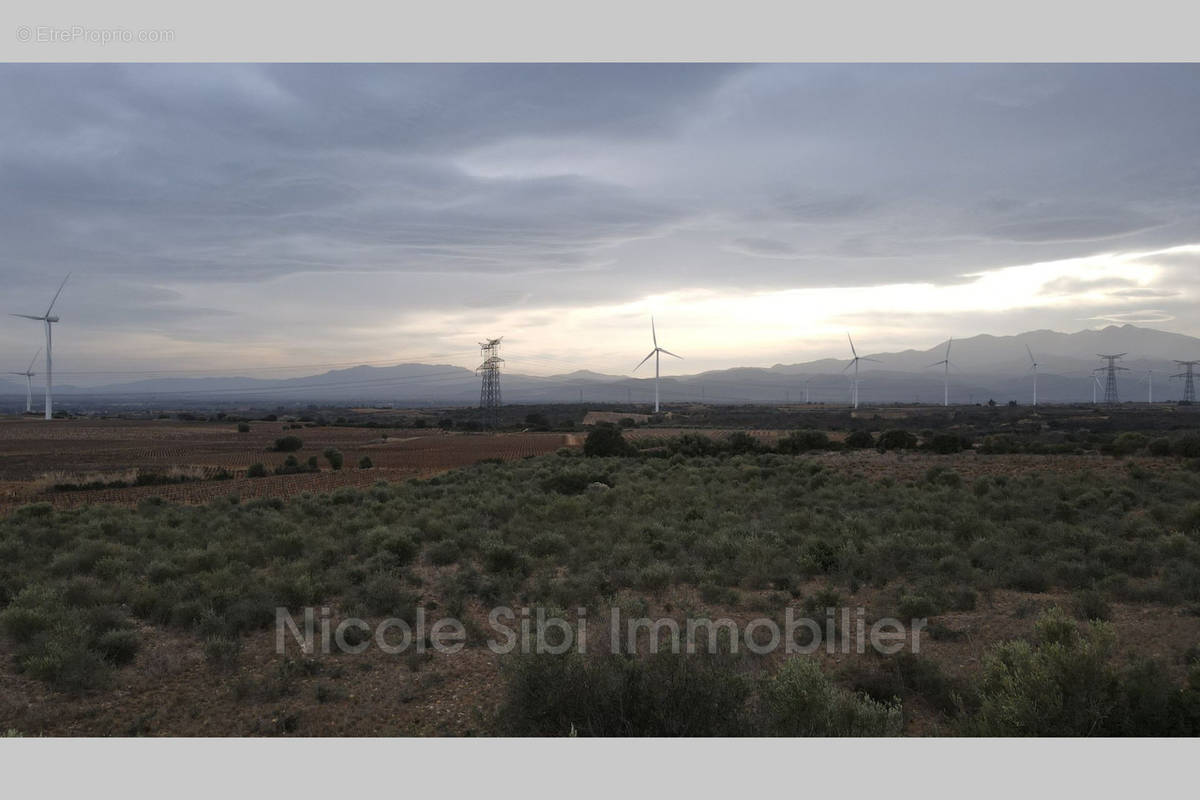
(272, 219)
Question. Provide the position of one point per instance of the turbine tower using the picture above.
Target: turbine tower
(945, 362)
(1095, 386)
(655, 352)
(1033, 362)
(854, 363)
(1110, 382)
(489, 370)
(49, 320)
(1189, 386)
(1149, 381)
(29, 373)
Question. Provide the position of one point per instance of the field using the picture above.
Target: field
(1057, 570)
(34, 456)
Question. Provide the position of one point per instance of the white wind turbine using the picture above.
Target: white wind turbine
(945, 362)
(29, 373)
(1149, 381)
(1034, 367)
(655, 352)
(854, 363)
(49, 320)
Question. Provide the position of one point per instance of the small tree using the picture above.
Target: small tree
(334, 457)
(606, 441)
(288, 444)
(365, 462)
(860, 440)
(256, 470)
(243, 427)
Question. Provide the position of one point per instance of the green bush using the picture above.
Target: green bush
(799, 700)
(897, 439)
(669, 694)
(1090, 604)
(802, 442)
(256, 470)
(604, 441)
(1061, 684)
(860, 440)
(334, 457)
(288, 444)
(118, 647)
(946, 443)
(1128, 443)
(444, 552)
(242, 427)
(1159, 447)
(365, 463)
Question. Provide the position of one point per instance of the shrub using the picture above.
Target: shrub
(1090, 604)
(1059, 685)
(334, 457)
(897, 439)
(1128, 443)
(916, 606)
(444, 552)
(256, 470)
(860, 440)
(802, 442)
(365, 463)
(1187, 446)
(118, 647)
(945, 443)
(1159, 447)
(799, 700)
(606, 440)
(615, 695)
(288, 444)
(242, 427)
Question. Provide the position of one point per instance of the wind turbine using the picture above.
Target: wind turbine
(29, 373)
(1095, 386)
(1149, 381)
(945, 362)
(854, 363)
(655, 353)
(49, 320)
(807, 381)
(1033, 362)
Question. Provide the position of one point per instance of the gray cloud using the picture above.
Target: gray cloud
(227, 189)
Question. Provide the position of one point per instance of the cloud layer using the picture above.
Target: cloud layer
(308, 211)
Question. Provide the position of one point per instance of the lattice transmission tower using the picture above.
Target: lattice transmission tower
(1189, 385)
(489, 390)
(1110, 381)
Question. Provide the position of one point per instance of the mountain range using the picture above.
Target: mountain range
(983, 367)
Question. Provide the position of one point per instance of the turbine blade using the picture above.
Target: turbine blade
(56, 294)
(668, 352)
(653, 333)
(875, 360)
(1032, 360)
(27, 316)
(949, 342)
(848, 366)
(852, 350)
(936, 364)
(644, 360)
(35, 355)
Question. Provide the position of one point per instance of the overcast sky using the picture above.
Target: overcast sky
(240, 219)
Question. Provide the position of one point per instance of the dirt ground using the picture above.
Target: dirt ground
(34, 454)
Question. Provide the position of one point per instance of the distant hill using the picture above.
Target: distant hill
(985, 367)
